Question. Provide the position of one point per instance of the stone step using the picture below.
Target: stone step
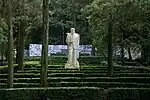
(82, 79)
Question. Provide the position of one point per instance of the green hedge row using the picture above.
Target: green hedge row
(80, 71)
(4, 69)
(129, 94)
(52, 94)
(33, 75)
(75, 94)
(63, 59)
(81, 84)
(82, 79)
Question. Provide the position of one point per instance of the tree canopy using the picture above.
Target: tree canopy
(130, 21)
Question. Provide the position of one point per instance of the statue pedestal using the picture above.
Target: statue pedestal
(71, 66)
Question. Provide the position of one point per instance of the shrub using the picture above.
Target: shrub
(129, 94)
(75, 94)
(63, 59)
(51, 93)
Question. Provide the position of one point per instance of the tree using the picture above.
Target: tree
(3, 38)
(27, 18)
(44, 63)
(21, 38)
(130, 24)
(100, 14)
(10, 46)
(110, 64)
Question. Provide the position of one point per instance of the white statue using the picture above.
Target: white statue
(73, 40)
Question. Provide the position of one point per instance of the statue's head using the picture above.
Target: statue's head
(72, 30)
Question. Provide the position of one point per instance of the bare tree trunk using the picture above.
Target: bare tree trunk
(17, 51)
(2, 53)
(122, 54)
(44, 63)
(129, 52)
(63, 33)
(6, 53)
(10, 46)
(21, 40)
(110, 65)
(122, 49)
(21, 46)
(93, 50)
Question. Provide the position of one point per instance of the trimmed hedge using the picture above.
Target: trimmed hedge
(82, 84)
(52, 94)
(63, 59)
(129, 94)
(82, 79)
(82, 71)
(78, 93)
(78, 74)
(4, 69)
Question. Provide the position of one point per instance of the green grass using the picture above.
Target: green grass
(32, 62)
(2, 67)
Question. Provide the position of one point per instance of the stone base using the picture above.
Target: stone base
(69, 66)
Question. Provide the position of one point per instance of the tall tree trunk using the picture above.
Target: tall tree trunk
(1, 57)
(110, 65)
(63, 30)
(21, 46)
(6, 53)
(3, 49)
(129, 52)
(122, 49)
(2, 54)
(17, 47)
(44, 63)
(10, 46)
(122, 54)
(17, 50)
(143, 53)
(21, 39)
(63, 35)
(93, 50)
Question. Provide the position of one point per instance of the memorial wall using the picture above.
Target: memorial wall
(35, 49)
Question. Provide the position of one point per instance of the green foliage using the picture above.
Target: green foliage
(3, 34)
(64, 15)
(129, 21)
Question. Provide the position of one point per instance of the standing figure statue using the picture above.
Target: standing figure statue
(72, 40)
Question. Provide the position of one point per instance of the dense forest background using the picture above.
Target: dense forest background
(126, 21)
